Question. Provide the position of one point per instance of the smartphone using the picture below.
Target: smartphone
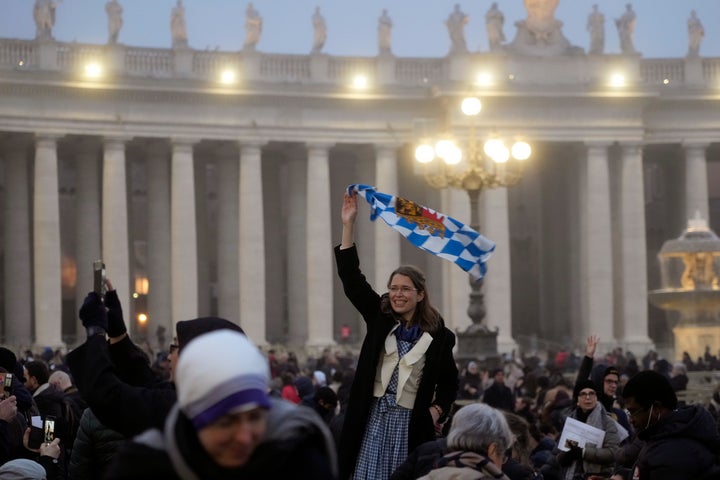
(99, 277)
(49, 429)
(36, 432)
(7, 384)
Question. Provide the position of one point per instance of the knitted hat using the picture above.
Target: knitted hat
(22, 469)
(8, 360)
(219, 373)
(611, 370)
(582, 385)
(189, 329)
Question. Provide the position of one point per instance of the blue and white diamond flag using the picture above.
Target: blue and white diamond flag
(439, 234)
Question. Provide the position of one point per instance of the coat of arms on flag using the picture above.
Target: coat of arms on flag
(434, 232)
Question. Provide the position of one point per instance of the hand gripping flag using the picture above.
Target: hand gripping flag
(429, 230)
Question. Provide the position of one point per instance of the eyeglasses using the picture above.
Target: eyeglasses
(633, 413)
(174, 347)
(614, 382)
(589, 394)
(404, 289)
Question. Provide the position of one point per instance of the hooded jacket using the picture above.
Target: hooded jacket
(681, 446)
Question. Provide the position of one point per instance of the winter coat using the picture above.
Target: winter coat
(95, 447)
(680, 446)
(421, 460)
(465, 466)
(297, 445)
(438, 385)
(596, 459)
(122, 401)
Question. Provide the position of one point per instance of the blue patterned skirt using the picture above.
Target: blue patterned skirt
(385, 443)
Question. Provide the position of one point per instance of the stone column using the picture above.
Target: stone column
(296, 242)
(87, 227)
(17, 279)
(46, 244)
(183, 250)
(696, 182)
(387, 240)
(159, 266)
(319, 253)
(227, 239)
(497, 284)
(631, 278)
(251, 244)
(115, 237)
(596, 248)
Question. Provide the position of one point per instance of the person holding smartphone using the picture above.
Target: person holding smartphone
(113, 374)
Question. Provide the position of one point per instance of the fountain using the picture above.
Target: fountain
(690, 272)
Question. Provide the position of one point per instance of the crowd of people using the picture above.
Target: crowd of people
(214, 406)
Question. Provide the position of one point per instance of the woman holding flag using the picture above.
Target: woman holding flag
(406, 379)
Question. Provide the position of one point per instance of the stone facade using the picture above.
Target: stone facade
(225, 198)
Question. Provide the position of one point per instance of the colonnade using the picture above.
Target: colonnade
(609, 277)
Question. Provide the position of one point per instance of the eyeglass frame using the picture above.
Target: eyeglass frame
(633, 414)
(394, 289)
(590, 394)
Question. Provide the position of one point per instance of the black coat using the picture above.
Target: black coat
(681, 446)
(94, 448)
(124, 407)
(439, 383)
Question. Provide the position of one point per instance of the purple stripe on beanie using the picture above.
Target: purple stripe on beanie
(229, 403)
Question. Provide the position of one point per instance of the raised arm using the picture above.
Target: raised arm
(587, 362)
(348, 216)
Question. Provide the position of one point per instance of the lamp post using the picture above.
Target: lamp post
(467, 169)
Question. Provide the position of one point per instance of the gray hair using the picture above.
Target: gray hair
(474, 427)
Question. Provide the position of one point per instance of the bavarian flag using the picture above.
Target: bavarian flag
(434, 232)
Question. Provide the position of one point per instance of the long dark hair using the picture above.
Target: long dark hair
(426, 316)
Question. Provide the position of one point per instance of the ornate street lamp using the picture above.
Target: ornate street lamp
(465, 168)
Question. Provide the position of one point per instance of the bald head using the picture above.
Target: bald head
(60, 379)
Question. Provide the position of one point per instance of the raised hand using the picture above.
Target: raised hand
(349, 208)
(591, 345)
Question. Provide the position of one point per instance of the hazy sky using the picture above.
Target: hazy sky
(419, 31)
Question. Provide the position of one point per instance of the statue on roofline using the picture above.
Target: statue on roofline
(44, 15)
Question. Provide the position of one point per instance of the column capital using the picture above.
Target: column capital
(689, 145)
(115, 143)
(255, 143)
(47, 139)
(319, 146)
(597, 144)
(182, 145)
(387, 146)
(184, 141)
(631, 148)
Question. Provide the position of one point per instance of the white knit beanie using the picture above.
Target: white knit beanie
(218, 373)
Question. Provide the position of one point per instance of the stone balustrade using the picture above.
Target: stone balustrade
(383, 70)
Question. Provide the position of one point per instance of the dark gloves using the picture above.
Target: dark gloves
(116, 325)
(565, 459)
(93, 314)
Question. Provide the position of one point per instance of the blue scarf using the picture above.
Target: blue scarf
(408, 334)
